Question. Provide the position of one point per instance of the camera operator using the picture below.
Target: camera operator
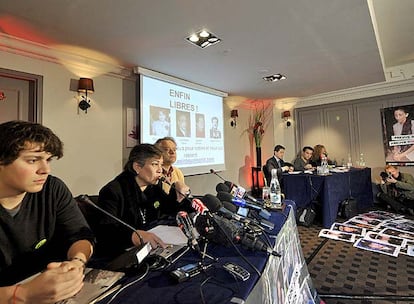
(397, 190)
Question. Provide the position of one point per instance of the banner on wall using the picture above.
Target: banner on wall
(398, 135)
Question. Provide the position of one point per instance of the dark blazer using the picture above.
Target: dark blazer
(271, 163)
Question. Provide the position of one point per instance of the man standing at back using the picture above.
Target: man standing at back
(168, 146)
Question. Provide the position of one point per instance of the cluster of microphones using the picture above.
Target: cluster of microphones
(231, 217)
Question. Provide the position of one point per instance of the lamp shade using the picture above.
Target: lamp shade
(85, 85)
(286, 114)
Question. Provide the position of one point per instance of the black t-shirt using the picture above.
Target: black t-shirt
(46, 225)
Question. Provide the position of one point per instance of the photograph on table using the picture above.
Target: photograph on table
(386, 239)
(337, 235)
(381, 215)
(403, 225)
(398, 233)
(398, 135)
(349, 229)
(378, 247)
(367, 220)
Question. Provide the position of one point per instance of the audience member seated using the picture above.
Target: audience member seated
(302, 162)
(276, 162)
(42, 229)
(397, 190)
(135, 196)
(318, 152)
(172, 174)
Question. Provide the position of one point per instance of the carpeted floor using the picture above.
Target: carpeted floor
(344, 274)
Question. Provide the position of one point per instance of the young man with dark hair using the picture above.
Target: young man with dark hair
(302, 162)
(41, 227)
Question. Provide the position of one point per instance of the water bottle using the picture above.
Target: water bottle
(324, 164)
(361, 160)
(275, 191)
(349, 164)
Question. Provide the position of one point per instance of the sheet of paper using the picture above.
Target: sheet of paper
(170, 234)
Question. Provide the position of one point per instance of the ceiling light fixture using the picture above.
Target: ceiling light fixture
(203, 39)
(274, 77)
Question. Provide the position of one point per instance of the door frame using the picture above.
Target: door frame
(35, 91)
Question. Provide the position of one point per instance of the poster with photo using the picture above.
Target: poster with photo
(398, 135)
(378, 247)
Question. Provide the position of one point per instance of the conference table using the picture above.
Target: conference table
(279, 278)
(330, 190)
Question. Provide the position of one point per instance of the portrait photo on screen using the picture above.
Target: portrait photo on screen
(160, 121)
(398, 135)
(200, 125)
(183, 128)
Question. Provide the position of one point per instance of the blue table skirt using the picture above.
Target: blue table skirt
(331, 190)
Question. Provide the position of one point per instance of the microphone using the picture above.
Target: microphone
(216, 174)
(124, 260)
(186, 225)
(222, 187)
(199, 206)
(218, 229)
(186, 196)
(223, 196)
(253, 243)
(239, 191)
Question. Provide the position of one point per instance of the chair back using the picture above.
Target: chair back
(89, 212)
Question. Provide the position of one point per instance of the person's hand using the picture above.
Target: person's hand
(58, 282)
(391, 179)
(150, 237)
(285, 168)
(308, 167)
(182, 190)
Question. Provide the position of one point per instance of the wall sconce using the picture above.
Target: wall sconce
(286, 117)
(85, 85)
(234, 114)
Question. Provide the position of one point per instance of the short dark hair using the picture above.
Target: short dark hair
(16, 135)
(307, 148)
(279, 147)
(139, 154)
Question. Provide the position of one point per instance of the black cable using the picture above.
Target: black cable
(129, 284)
(315, 252)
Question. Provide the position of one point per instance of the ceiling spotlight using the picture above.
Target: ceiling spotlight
(275, 77)
(193, 38)
(203, 39)
(204, 34)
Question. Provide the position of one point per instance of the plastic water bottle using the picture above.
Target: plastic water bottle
(361, 160)
(349, 164)
(275, 191)
(324, 164)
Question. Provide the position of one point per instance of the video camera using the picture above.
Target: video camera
(385, 175)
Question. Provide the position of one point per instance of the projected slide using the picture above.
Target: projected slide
(193, 118)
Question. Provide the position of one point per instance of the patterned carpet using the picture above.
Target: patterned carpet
(344, 274)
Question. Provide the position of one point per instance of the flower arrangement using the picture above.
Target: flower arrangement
(258, 121)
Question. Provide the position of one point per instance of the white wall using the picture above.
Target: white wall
(92, 141)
